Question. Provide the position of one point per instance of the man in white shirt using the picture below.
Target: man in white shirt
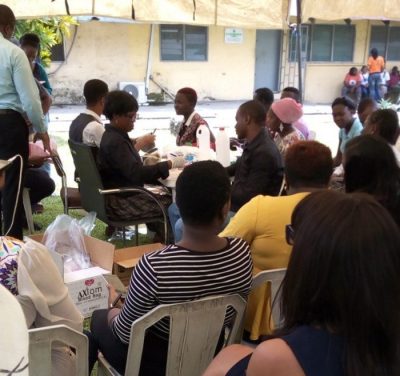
(88, 128)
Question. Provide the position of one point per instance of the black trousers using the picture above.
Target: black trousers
(101, 338)
(40, 184)
(13, 140)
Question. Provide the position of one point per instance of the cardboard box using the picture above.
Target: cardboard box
(125, 259)
(87, 287)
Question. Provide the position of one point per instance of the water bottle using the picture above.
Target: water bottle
(222, 147)
(203, 142)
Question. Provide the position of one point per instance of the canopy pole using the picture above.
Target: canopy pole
(149, 58)
(299, 47)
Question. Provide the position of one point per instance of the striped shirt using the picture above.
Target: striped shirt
(175, 275)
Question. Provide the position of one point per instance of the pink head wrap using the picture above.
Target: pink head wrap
(287, 110)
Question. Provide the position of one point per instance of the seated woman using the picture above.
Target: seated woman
(340, 295)
(120, 164)
(343, 110)
(28, 272)
(280, 118)
(352, 85)
(394, 85)
(261, 222)
(185, 103)
(371, 167)
(202, 195)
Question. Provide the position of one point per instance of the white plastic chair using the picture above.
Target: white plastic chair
(26, 201)
(195, 328)
(275, 277)
(40, 341)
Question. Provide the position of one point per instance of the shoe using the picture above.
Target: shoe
(37, 208)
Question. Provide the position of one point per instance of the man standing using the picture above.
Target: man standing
(18, 94)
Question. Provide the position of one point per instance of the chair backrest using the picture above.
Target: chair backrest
(40, 341)
(275, 277)
(195, 328)
(89, 179)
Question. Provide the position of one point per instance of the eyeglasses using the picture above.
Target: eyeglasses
(289, 232)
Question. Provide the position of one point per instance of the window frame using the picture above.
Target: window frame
(184, 42)
(310, 29)
(386, 42)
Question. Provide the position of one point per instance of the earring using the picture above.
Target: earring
(281, 127)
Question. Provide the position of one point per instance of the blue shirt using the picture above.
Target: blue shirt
(18, 90)
(355, 130)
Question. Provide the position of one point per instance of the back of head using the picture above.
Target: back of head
(343, 277)
(365, 103)
(344, 101)
(374, 53)
(119, 102)
(30, 39)
(255, 111)
(386, 123)
(291, 92)
(370, 166)
(308, 164)
(287, 110)
(264, 95)
(7, 17)
(202, 190)
(94, 90)
(190, 94)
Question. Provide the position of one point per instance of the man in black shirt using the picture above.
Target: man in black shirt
(260, 169)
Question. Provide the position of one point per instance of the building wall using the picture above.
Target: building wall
(118, 52)
(323, 81)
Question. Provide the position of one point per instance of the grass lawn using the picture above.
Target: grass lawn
(53, 207)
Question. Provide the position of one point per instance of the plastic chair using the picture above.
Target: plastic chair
(195, 328)
(70, 196)
(40, 341)
(93, 194)
(275, 277)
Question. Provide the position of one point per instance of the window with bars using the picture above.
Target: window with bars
(324, 43)
(183, 43)
(387, 41)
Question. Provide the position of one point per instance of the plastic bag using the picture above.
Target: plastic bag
(66, 236)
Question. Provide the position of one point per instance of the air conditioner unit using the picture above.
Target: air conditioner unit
(137, 89)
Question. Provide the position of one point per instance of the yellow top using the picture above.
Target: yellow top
(262, 222)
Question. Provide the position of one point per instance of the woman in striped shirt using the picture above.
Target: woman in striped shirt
(201, 264)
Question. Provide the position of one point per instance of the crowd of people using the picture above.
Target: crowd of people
(275, 207)
(372, 80)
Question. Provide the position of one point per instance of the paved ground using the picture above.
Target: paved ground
(217, 114)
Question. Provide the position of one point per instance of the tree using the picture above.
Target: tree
(50, 30)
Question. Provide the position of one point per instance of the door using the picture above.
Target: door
(268, 59)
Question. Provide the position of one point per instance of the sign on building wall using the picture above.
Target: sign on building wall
(233, 35)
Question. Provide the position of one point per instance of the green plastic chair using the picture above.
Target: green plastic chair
(93, 193)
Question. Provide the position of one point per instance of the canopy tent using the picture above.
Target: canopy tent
(255, 14)
(265, 14)
(331, 10)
